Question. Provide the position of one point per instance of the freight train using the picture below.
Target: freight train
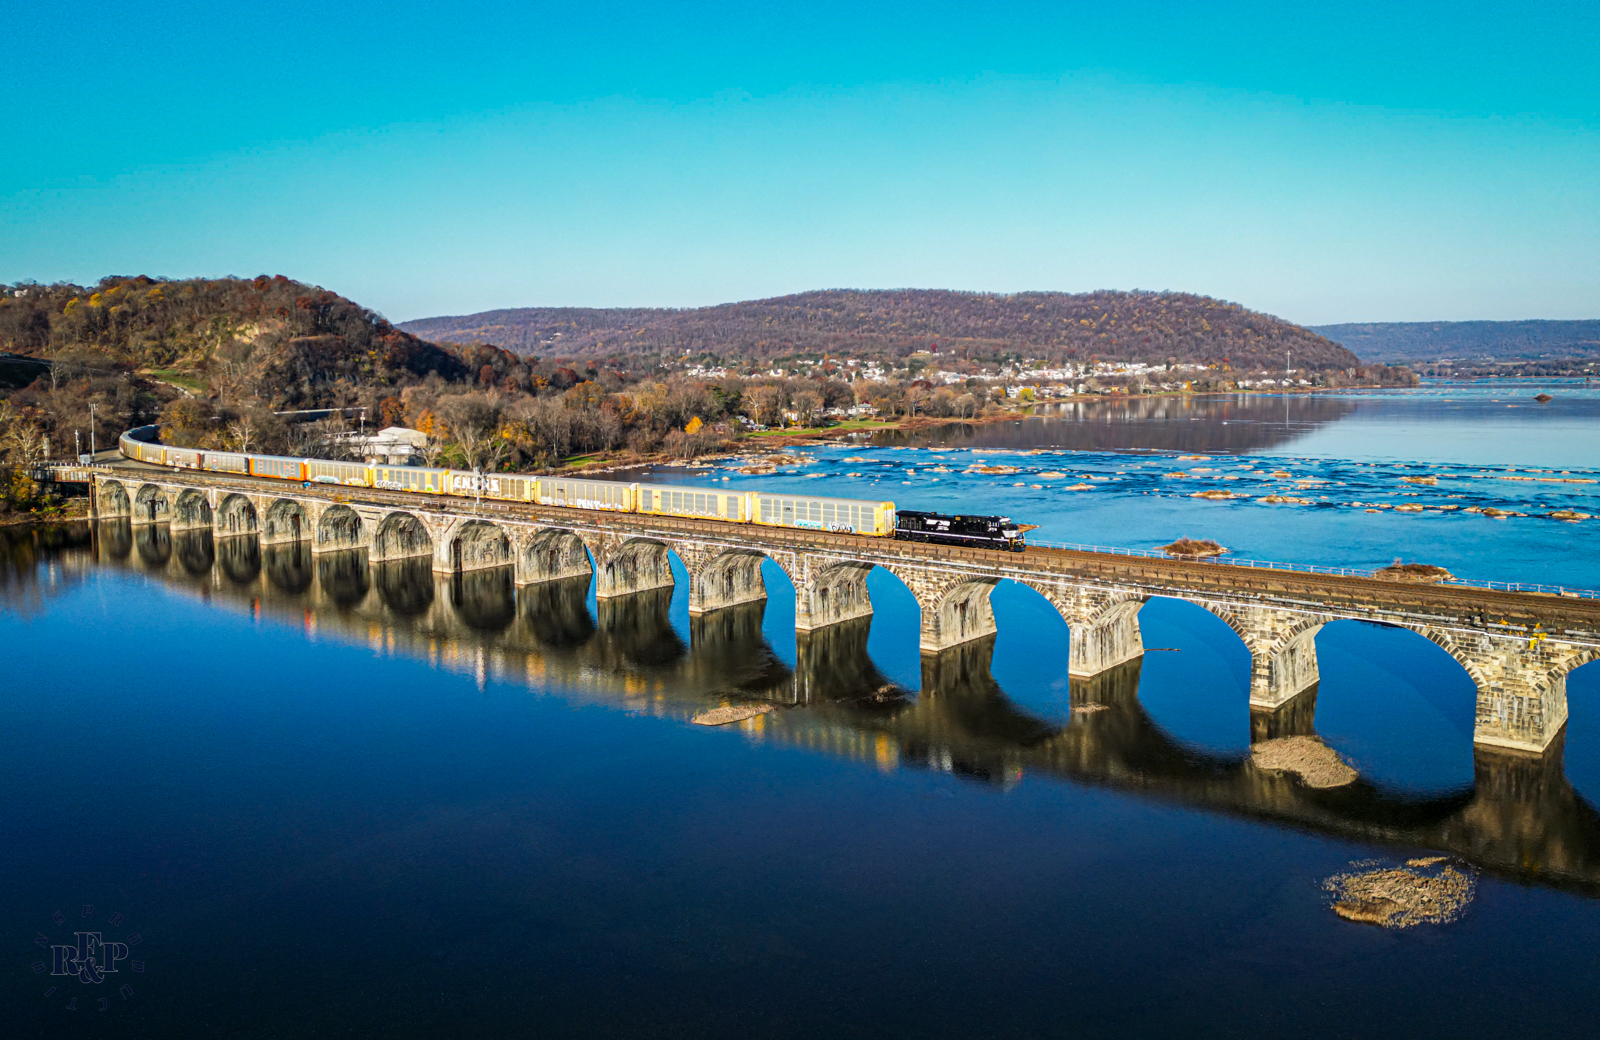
(782, 509)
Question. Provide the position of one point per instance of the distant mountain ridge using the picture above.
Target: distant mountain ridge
(1437, 340)
(1124, 326)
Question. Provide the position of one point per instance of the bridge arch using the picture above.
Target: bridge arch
(550, 555)
(286, 521)
(834, 591)
(477, 545)
(400, 536)
(150, 505)
(191, 510)
(1394, 702)
(633, 565)
(1032, 650)
(112, 500)
(1194, 674)
(726, 578)
(236, 514)
(338, 528)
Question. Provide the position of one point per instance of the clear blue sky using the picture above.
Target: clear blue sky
(1339, 162)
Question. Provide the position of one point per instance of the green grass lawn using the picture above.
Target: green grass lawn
(574, 461)
(183, 379)
(849, 424)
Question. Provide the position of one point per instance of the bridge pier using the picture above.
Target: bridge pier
(833, 663)
(335, 527)
(1102, 643)
(1522, 686)
(954, 613)
(471, 545)
(1283, 651)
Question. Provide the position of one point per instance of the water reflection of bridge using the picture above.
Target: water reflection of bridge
(1519, 819)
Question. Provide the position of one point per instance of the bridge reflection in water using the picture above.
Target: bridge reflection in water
(1519, 819)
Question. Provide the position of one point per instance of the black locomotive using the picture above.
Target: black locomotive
(986, 532)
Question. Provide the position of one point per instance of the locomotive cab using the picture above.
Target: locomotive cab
(988, 532)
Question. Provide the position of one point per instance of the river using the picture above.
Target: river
(336, 798)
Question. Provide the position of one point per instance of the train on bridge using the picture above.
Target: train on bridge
(774, 509)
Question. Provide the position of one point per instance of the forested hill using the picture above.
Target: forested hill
(288, 343)
(1134, 326)
(1470, 340)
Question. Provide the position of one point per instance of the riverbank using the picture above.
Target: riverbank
(762, 441)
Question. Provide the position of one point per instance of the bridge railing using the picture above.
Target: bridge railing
(1312, 568)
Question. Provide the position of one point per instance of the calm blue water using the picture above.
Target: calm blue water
(334, 799)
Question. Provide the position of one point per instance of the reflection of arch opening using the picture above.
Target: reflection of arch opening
(1395, 703)
(154, 544)
(196, 552)
(115, 538)
(285, 522)
(551, 555)
(113, 500)
(288, 566)
(240, 559)
(484, 598)
(191, 511)
(338, 528)
(405, 586)
(342, 576)
(400, 537)
(236, 516)
(477, 545)
(150, 505)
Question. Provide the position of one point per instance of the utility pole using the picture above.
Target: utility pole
(91, 428)
(1286, 369)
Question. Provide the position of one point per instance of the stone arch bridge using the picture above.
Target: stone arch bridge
(1517, 647)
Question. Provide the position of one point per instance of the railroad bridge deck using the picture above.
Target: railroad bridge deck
(1517, 647)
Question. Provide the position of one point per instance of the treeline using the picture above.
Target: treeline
(216, 361)
(1471, 342)
(1113, 326)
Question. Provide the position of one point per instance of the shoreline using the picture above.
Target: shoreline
(764, 441)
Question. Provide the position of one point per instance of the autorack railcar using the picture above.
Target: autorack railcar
(775, 509)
